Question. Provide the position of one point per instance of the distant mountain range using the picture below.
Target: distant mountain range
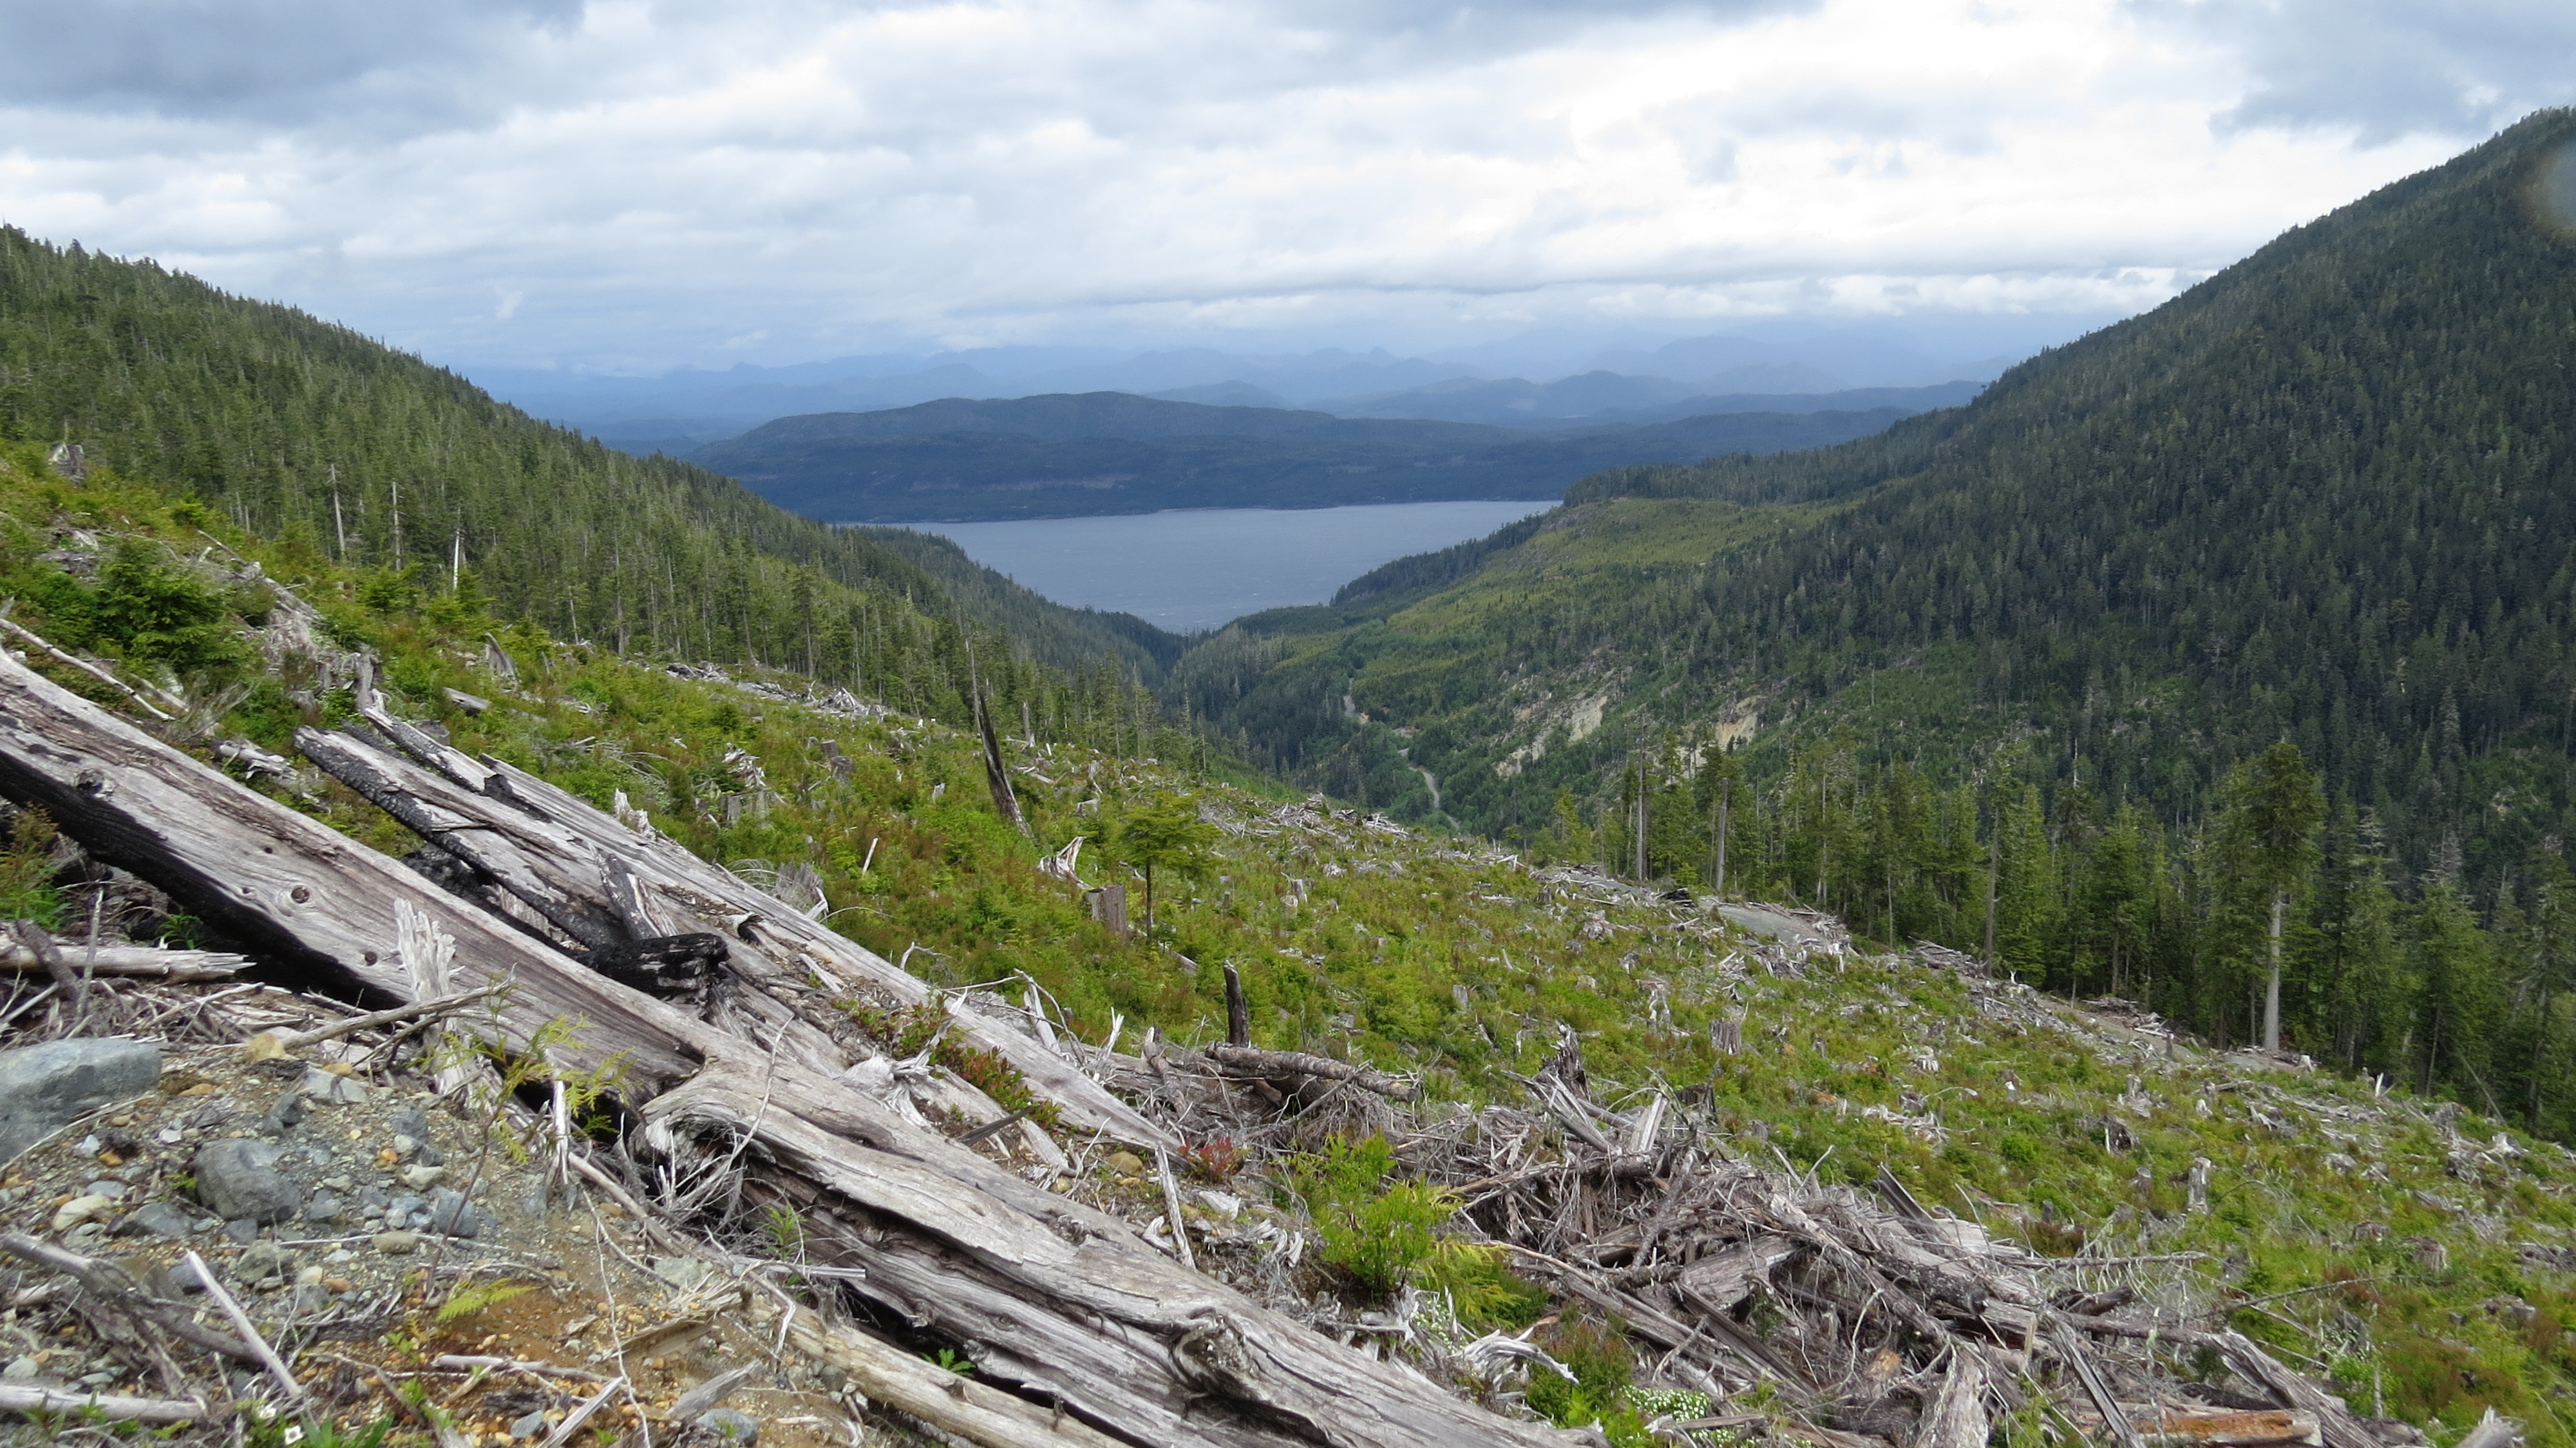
(1596, 398)
(1067, 455)
(1540, 381)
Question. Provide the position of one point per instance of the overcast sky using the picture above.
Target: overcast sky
(633, 186)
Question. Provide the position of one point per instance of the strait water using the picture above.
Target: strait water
(1197, 568)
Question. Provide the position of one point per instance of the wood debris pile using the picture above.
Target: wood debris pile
(1857, 1316)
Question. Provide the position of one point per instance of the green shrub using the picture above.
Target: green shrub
(27, 871)
(154, 612)
(1385, 1234)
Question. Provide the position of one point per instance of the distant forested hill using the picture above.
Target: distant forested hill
(2327, 497)
(1068, 455)
(300, 428)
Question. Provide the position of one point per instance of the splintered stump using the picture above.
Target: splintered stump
(1061, 1305)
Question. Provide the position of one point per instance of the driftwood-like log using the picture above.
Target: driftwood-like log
(1289, 1065)
(1061, 1299)
(128, 960)
(28, 1400)
(2275, 1428)
(2342, 1429)
(960, 1407)
(1956, 1417)
(589, 872)
(1064, 1304)
(113, 1285)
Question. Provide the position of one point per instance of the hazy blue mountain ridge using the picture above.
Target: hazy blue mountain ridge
(1061, 456)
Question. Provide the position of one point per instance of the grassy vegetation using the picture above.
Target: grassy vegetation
(1436, 955)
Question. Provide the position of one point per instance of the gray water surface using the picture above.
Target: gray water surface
(1197, 568)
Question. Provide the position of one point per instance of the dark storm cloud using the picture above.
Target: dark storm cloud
(267, 60)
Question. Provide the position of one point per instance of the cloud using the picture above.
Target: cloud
(786, 179)
(269, 60)
(2386, 69)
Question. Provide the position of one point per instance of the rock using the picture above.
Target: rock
(422, 1178)
(730, 1426)
(21, 1370)
(681, 1272)
(81, 1209)
(261, 1262)
(242, 1230)
(450, 1213)
(411, 1121)
(534, 1423)
(286, 1115)
(1126, 1163)
(156, 1218)
(325, 1206)
(44, 1088)
(114, 1191)
(214, 1113)
(395, 1244)
(238, 1177)
(333, 1088)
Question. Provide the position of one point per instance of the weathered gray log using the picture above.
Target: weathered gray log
(1286, 1065)
(28, 1400)
(541, 864)
(2115, 1419)
(112, 1284)
(1026, 1279)
(959, 1406)
(2492, 1432)
(1957, 1415)
(1058, 1296)
(133, 960)
(589, 872)
(291, 888)
(2342, 1428)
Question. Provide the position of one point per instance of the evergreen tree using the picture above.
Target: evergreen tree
(2267, 854)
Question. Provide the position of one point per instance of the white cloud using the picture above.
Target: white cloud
(794, 178)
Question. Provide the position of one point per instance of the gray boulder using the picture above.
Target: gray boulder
(727, 1425)
(44, 1088)
(156, 1218)
(239, 1179)
(450, 1213)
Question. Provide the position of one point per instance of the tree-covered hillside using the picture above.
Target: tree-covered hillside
(300, 429)
(1109, 452)
(2022, 648)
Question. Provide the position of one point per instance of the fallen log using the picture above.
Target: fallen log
(962, 1407)
(142, 961)
(1053, 1295)
(113, 1285)
(2229, 1429)
(1290, 1065)
(1066, 1305)
(2341, 1427)
(608, 885)
(28, 1401)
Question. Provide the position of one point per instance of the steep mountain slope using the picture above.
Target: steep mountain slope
(303, 429)
(2419, 1259)
(2327, 496)
(1109, 452)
